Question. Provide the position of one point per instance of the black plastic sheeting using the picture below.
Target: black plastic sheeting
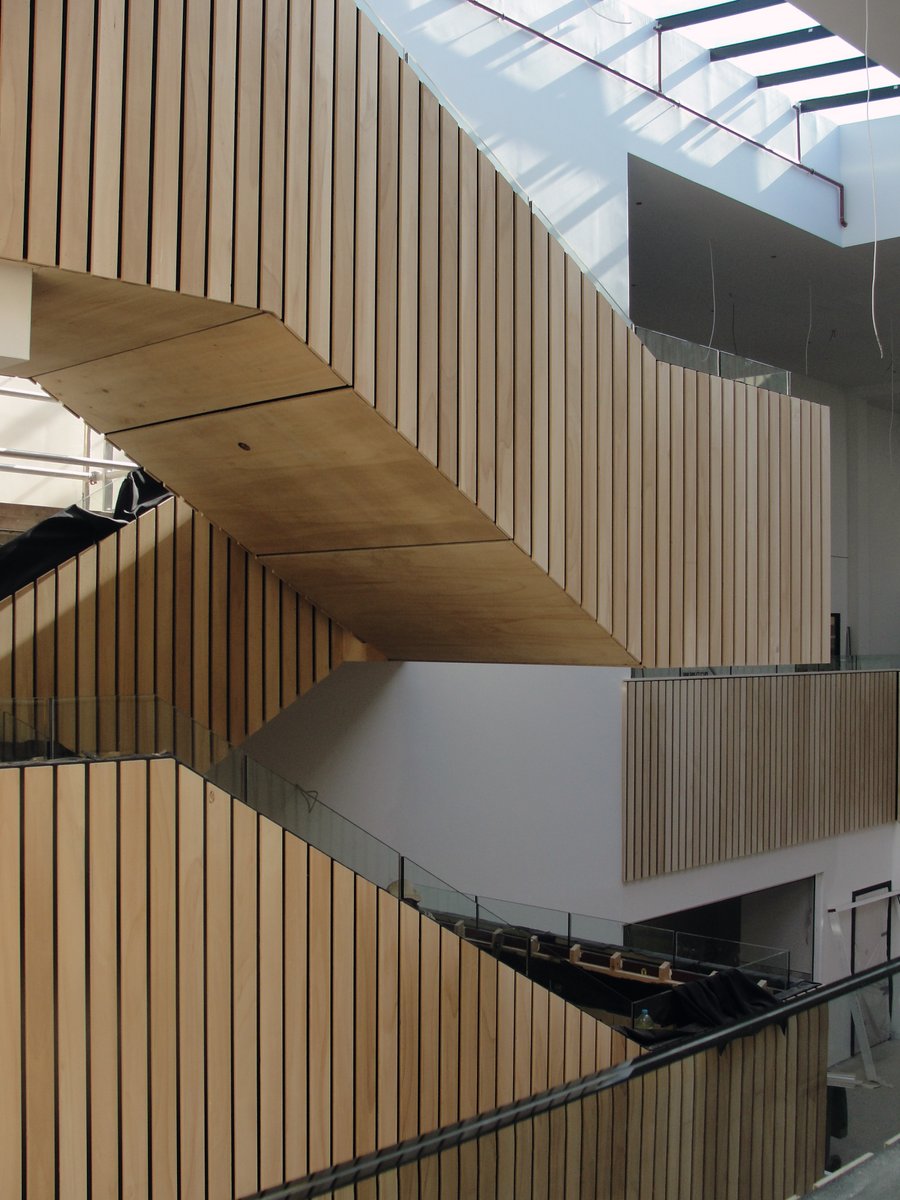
(66, 533)
(703, 1004)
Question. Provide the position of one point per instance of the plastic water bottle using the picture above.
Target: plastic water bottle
(644, 1020)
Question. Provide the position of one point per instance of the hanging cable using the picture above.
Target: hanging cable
(891, 426)
(712, 275)
(808, 335)
(604, 17)
(874, 190)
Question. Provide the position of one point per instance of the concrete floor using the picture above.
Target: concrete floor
(873, 1117)
(878, 1178)
(873, 1114)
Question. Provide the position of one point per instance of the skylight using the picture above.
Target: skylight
(785, 18)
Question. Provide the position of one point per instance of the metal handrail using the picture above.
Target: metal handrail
(659, 94)
(448, 1137)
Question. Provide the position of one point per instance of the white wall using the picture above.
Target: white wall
(505, 781)
(865, 516)
(15, 313)
(839, 405)
(858, 160)
(38, 425)
(502, 780)
(875, 530)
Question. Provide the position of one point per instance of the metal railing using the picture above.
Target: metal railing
(119, 727)
(388, 1163)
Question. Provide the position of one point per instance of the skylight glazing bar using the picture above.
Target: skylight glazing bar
(677, 104)
(796, 37)
(715, 12)
(891, 92)
(815, 71)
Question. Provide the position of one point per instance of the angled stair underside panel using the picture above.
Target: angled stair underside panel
(436, 427)
(172, 608)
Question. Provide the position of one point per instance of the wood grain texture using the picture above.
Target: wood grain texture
(11, 1115)
(753, 764)
(173, 626)
(287, 159)
(245, 993)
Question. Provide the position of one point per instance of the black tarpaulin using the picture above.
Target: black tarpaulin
(702, 1004)
(66, 533)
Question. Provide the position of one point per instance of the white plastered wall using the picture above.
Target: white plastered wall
(32, 425)
(865, 516)
(505, 781)
(39, 426)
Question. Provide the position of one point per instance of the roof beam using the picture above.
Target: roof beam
(891, 92)
(715, 12)
(816, 71)
(796, 37)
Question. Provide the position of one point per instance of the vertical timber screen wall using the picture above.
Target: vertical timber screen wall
(715, 769)
(195, 1003)
(287, 159)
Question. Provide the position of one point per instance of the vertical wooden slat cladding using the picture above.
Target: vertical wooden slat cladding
(505, 344)
(15, 62)
(771, 761)
(195, 142)
(11, 1014)
(162, 853)
(39, 1016)
(366, 227)
(75, 163)
(284, 156)
(168, 100)
(556, 427)
(175, 610)
(44, 132)
(343, 215)
(133, 1000)
(449, 299)
(247, 162)
(428, 268)
(191, 1024)
(222, 993)
(137, 157)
